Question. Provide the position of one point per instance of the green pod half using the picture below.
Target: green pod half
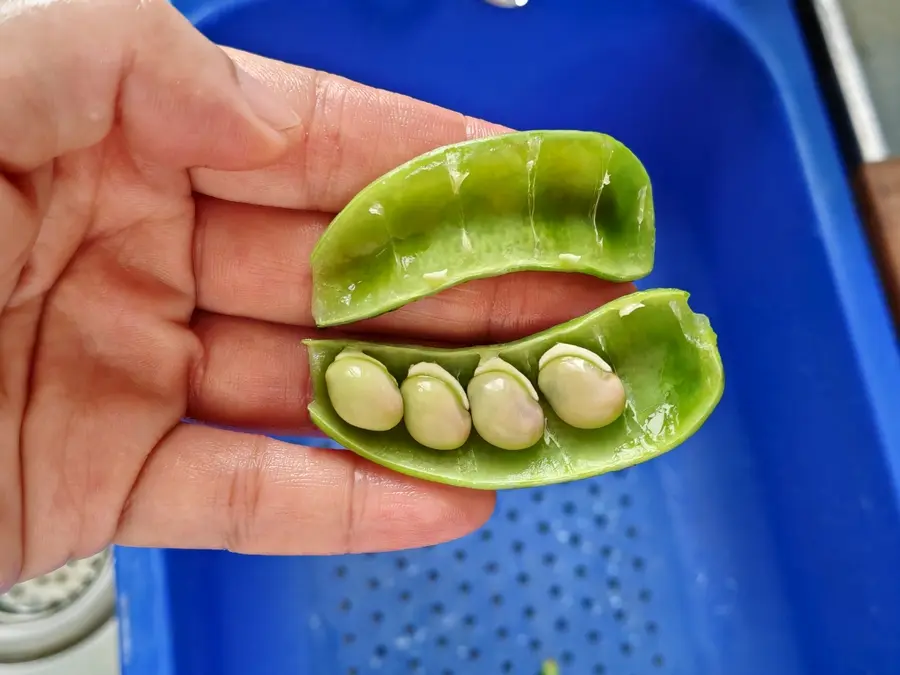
(664, 353)
(539, 200)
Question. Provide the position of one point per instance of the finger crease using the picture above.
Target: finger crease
(125, 510)
(325, 89)
(244, 498)
(198, 244)
(197, 375)
(27, 403)
(493, 321)
(355, 505)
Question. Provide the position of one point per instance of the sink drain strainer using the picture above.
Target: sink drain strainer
(42, 616)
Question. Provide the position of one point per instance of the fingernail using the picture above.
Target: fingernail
(266, 103)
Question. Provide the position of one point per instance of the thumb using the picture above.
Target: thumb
(73, 72)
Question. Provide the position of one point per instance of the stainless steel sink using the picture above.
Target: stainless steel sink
(62, 623)
(863, 42)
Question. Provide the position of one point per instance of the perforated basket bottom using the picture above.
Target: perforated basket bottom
(52, 592)
(576, 572)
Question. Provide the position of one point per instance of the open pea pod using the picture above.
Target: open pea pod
(664, 354)
(573, 201)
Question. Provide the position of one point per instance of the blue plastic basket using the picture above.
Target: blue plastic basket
(769, 544)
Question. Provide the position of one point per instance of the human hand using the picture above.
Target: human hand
(138, 289)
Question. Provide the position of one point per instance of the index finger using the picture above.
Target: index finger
(349, 135)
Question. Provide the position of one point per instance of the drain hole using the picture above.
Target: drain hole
(555, 591)
(517, 546)
(567, 658)
(651, 628)
(459, 554)
(506, 667)
(613, 583)
(433, 575)
(569, 508)
(437, 608)
(377, 617)
(543, 527)
(502, 633)
(657, 661)
(465, 588)
(374, 584)
(625, 501)
(626, 648)
(410, 629)
(474, 654)
(405, 596)
(598, 669)
(631, 532)
(402, 563)
(587, 603)
(580, 571)
(469, 620)
(601, 520)
(340, 571)
(645, 595)
(638, 564)
(349, 638)
(345, 605)
(512, 515)
(549, 559)
(414, 664)
(620, 615)
(593, 637)
(497, 600)
(561, 625)
(534, 644)
(491, 567)
(593, 489)
(528, 612)
(523, 578)
(381, 651)
(442, 641)
(486, 535)
(537, 496)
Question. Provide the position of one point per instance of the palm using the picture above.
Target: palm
(136, 291)
(101, 310)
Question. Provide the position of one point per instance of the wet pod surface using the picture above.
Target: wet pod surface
(664, 353)
(574, 201)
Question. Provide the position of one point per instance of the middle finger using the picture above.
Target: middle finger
(253, 262)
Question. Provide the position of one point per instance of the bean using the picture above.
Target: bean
(581, 387)
(363, 392)
(435, 407)
(505, 408)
